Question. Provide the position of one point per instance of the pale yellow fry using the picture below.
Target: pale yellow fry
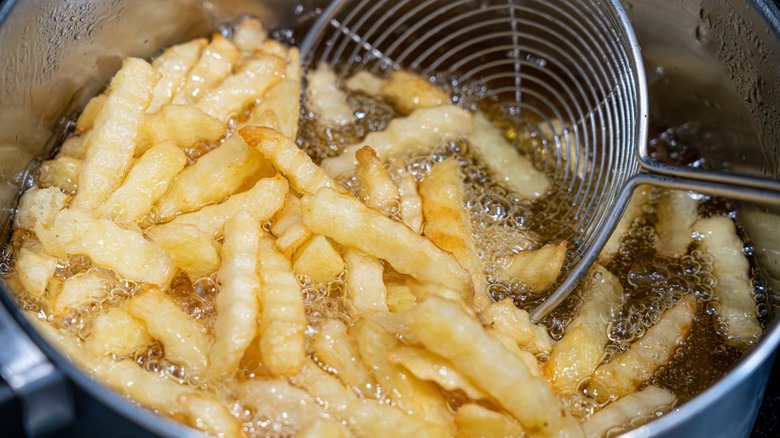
(111, 144)
(634, 210)
(215, 176)
(413, 396)
(75, 146)
(448, 225)
(433, 368)
(475, 421)
(417, 133)
(215, 64)
(87, 117)
(82, 290)
(365, 285)
(624, 373)
(677, 212)
(278, 402)
(288, 227)
(325, 99)
(407, 92)
(146, 183)
(366, 83)
(283, 319)
(378, 189)
(238, 299)
(399, 296)
(185, 340)
(338, 351)
(528, 358)
(321, 428)
(350, 223)
(249, 36)
(505, 162)
(411, 202)
(238, 91)
(447, 330)
(262, 201)
(581, 348)
(734, 291)
(318, 259)
(629, 410)
(209, 415)
(34, 270)
(284, 98)
(75, 232)
(305, 176)
(273, 47)
(116, 332)
(538, 269)
(186, 126)
(39, 207)
(191, 249)
(61, 172)
(174, 65)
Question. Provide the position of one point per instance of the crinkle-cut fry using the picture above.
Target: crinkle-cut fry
(117, 333)
(75, 146)
(215, 176)
(448, 224)
(325, 99)
(447, 330)
(185, 340)
(528, 358)
(413, 396)
(241, 89)
(61, 172)
(366, 83)
(249, 36)
(318, 259)
(273, 47)
(338, 351)
(321, 428)
(283, 318)
(350, 223)
(628, 410)
(407, 92)
(237, 302)
(174, 66)
(111, 143)
(210, 415)
(184, 125)
(635, 209)
(538, 268)
(262, 201)
(411, 202)
(276, 401)
(433, 368)
(194, 251)
(475, 421)
(734, 291)
(76, 232)
(365, 416)
(677, 212)
(283, 98)
(145, 184)
(39, 207)
(581, 348)
(86, 119)
(416, 133)
(305, 176)
(82, 290)
(378, 189)
(504, 317)
(214, 65)
(366, 290)
(34, 270)
(288, 227)
(624, 373)
(399, 294)
(505, 162)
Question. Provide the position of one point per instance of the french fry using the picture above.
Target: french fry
(86, 119)
(475, 421)
(34, 270)
(215, 176)
(75, 146)
(283, 319)
(366, 83)
(538, 269)
(249, 36)
(417, 133)
(365, 285)
(433, 368)
(215, 64)
(411, 203)
(350, 223)
(318, 259)
(504, 317)
(399, 295)
(407, 92)
(209, 415)
(448, 225)
(624, 373)
(111, 144)
(284, 98)
(75, 232)
(581, 348)
(288, 227)
(325, 99)
(278, 402)
(338, 351)
(677, 212)
(262, 201)
(82, 290)
(185, 340)
(39, 208)
(61, 172)
(634, 210)
(628, 410)
(116, 333)
(528, 358)
(447, 330)
(321, 428)
(734, 291)
(241, 89)
(193, 250)
(146, 183)
(509, 167)
(174, 65)
(378, 189)
(305, 176)
(185, 126)
(237, 302)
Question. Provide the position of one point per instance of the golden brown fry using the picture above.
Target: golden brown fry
(116, 333)
(538, 269)
(249, 36)
(215, 64)
(433, 368)
(411, 203)
(34, 270)
(174, 65)
(350, 223)
(61, 172)
(82, 290)
(209, 415)
(325, 99)
(39, 208)
(677, 212)
(191, 249)
(378, 190)
(184, 125)
(475, 421)
(288, 227)
(629, 410)
(634, 210)
(338, 351)
(318, 259)
(365, 286)
(407, 92)
(87, 117)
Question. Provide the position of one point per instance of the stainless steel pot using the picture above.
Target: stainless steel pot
(713, 67)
